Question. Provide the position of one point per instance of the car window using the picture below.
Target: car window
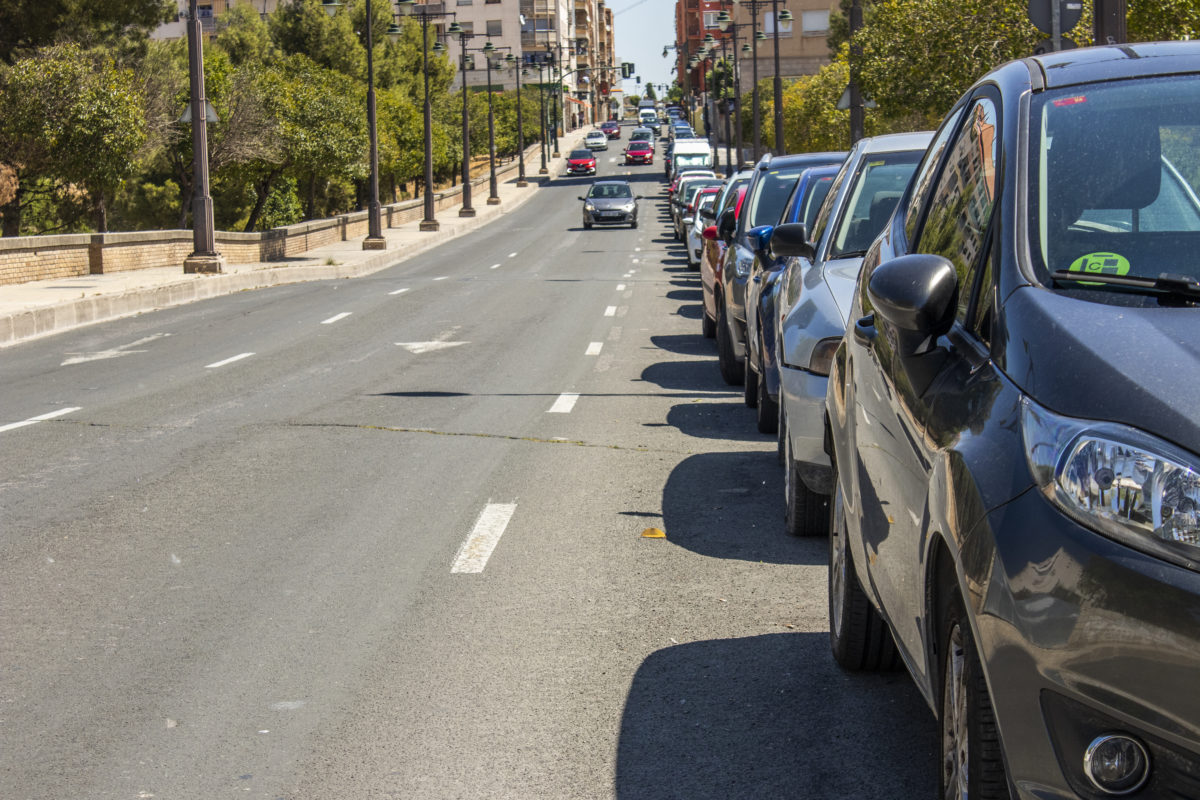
(873, 194)
(770, 195)
(925, 175)
(1114, 178)
(818, 189)
(960, 206)
(581, 154)
(825, 214)
(690, 190)
(610, 190)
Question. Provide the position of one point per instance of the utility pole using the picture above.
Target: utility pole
(1108, 25)
(856, 103)
(204, 257)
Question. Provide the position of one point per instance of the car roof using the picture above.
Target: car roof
(889, 142)
(610, 180)
(1090, 64)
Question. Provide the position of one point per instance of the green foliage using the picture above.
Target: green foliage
(301, 27)
(244, 37)
(1159, 20)
(282, 206)
(27, 25)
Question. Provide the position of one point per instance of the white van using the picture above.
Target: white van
(689, 153)
(647, 115)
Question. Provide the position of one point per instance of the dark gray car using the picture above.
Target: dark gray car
(610, 202)
(1014, 416)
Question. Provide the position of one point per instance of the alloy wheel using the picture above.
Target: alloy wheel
(955, 718)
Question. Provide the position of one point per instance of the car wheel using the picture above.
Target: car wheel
(781, 433)
(587, 226)
(633, 224)
(732, 372)
(767, 418)
(858, 636)
(708, 327)
(806, 513)
(750, 386)
(972, 763)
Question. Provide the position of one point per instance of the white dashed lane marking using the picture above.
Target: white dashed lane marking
(336, 318)
(611, 311)
(475, 551)
(40, 418)
(563, 404)
(620, 287)
(229, 360)
(594, 349)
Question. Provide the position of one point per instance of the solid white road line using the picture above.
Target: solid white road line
(477, 548)
(336, 318)
(399, 291)
(611, 311)
(229, 361)
(594, 349)
(563, 404)
(37, 419)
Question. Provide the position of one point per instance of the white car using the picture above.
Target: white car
(695, 232)
(596, 140)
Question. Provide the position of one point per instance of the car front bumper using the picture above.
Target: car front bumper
(1081, 636)
(609, 217)
(802, 396)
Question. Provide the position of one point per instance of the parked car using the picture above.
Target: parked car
(639, 153)
(611, 128)
(821, 269)
(762, 310)
(596, 140)
(581, 162)
(712, 256)
(774, 179)
(681, 197)
(610, 202)
(699, 220)
(1014, 415)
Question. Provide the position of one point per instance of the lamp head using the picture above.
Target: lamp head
(455, 30)
(406, 7)
(785, 16)
(394, 31)
(331, 6)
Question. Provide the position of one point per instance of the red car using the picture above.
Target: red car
(612, 129)
(581, 162)
(639, 153)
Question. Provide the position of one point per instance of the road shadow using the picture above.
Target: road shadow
(771, 716)
(686, 295)
(690, 311)
(686, 375)
(729, 421)
(683, 343)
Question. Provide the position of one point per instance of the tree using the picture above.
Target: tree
(301, 27)
(244, 37)
(69, 119)
(27, 25)
(1162, 19)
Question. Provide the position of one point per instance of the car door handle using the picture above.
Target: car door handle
(864, 329)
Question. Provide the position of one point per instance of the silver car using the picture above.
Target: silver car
(822, 268)
(695, 232)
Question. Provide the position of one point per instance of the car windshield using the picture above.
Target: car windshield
(691, 159)
(610, 190)
(578, 154)
(771, 195)
(874, 191)
(689, 191)
(639, 146)
(1114, 179)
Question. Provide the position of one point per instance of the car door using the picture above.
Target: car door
(896, 457)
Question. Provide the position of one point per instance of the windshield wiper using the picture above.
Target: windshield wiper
(1172, 286)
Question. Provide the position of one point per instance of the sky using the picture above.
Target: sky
(642, 27)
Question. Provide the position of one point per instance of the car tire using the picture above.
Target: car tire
(708, 326)
(732, 371)
(972, 761)
(750, 386)
(858, 636)
(806, 513)
(781, 433)
(633, 224)
(767, 413)
(587, 226)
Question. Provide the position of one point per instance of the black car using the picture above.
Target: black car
(1014, 418)
(774, 179)
(610, 202)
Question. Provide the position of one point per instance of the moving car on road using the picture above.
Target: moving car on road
(640, 152)
(1014, 415)
(596, 140)
(611, 128)
(610, 202)
(581, 162)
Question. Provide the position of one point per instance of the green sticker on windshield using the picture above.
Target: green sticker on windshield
(1100, 264)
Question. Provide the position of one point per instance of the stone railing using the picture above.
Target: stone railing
(33, 258)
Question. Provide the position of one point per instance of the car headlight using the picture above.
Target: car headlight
(629, 207)
(588, 207)
(1118, 481)
(741, 265)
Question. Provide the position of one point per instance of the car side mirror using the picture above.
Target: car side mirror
(791, 241)
(726, 225)
(581, 197)
(709, 233)
(639, 197)
(759, 238)
(915, 298)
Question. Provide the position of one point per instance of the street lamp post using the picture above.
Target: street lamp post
(726, 23)
(409, 8)
(455, 31)
(542, 119)
(204, 257)
(374, 240)
(777, 84)
(518, 73)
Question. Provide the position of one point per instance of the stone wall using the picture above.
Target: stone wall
(32, 258)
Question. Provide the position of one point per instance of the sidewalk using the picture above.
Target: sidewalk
(41, 308)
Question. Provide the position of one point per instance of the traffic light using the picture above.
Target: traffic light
(626, 69)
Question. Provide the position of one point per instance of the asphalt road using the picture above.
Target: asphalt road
(227, 555)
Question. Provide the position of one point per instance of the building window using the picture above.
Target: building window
(710, 19)
(495, 28)
(785, 27)
(465, 2)
(815, 23)
(468, 27)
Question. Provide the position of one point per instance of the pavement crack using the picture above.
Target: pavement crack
(501, 436)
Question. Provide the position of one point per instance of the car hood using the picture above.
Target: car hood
(1135, 366)
(610, 202)
(841, 276)
(581, 160)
